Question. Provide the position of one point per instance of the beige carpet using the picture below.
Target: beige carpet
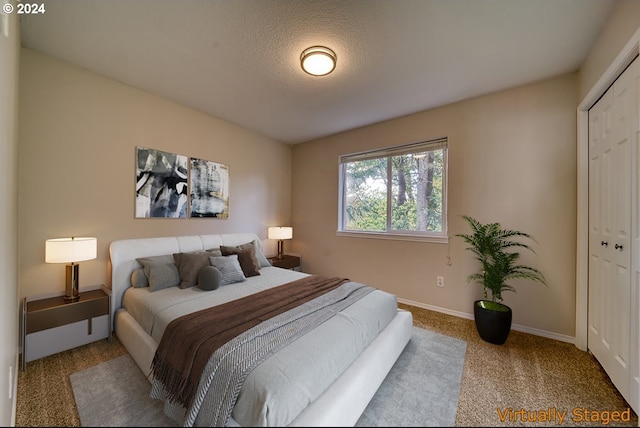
(528, 374)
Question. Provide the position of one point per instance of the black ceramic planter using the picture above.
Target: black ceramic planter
(493, 321)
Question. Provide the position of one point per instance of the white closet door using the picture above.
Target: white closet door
(600, 263)
(634, 381)
(613, 304)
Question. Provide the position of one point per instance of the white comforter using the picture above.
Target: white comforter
(284, 384)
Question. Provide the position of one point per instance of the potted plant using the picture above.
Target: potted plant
(493, 247)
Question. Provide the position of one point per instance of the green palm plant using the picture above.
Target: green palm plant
(489, 242)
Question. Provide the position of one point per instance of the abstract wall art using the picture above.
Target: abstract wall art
(209, 189)
(161, 184)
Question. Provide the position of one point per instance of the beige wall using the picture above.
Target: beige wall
(512, 159)
(619, 28)
(9, 53)
(78, 134)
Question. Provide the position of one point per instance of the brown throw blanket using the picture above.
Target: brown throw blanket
(189, 341)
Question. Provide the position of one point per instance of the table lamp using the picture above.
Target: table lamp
(280, 233)
(70, 251)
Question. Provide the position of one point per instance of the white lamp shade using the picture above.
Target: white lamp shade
(69, 250)
(280, 233)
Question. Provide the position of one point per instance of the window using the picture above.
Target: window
(395, 192)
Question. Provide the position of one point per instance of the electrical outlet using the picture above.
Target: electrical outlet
(440, 281)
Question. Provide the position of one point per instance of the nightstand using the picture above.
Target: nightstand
(286, 262)
(54, 313)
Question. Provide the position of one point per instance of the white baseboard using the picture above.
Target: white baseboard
(518, 327)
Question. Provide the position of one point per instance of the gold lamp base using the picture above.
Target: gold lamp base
(280, 249)
(72, 292)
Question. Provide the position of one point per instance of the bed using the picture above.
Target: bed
(323, 378)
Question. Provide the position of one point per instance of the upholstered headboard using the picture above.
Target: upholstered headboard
(123, 254)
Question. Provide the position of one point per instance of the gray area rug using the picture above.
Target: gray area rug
(421, 389)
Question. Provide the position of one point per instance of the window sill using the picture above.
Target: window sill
(395, 237)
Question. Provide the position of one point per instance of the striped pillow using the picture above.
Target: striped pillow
(230, 268)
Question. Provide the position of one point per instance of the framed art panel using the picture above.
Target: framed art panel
(161, 184)
(209, 189)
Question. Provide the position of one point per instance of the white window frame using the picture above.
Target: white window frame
(388, 152)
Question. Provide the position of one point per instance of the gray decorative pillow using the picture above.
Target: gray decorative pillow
(162, 276)
(214, 252)
(147, 262)
(262, 260)
(164, 259)
(209, 278)
(230, 268)
(139, 279)
(189, 266)
(246, 256)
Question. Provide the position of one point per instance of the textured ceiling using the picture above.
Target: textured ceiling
(239, 59)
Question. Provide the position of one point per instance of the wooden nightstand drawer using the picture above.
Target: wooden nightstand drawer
(54, 312)
(286, 262)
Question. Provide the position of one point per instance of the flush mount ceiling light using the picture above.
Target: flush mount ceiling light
(318, 60)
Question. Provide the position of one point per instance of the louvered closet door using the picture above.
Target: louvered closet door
(613, 303)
